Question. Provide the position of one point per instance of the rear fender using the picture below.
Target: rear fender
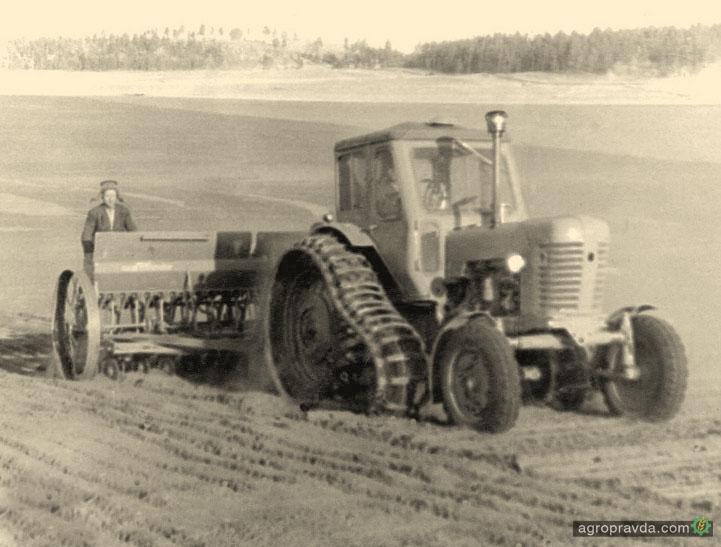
(350, 234)
(434, 372)
(356, 239)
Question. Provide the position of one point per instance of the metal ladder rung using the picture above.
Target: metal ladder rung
(394, 339)
(369, 286)
(378, 325)
(352, 269)
(399, 381)
(388, 340)
(374, 310)
(396, 358)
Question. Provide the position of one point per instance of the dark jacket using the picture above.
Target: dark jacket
(99, 221)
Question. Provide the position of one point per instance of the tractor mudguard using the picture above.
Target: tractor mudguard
(614, 320)
(348, 233)
(354, 237)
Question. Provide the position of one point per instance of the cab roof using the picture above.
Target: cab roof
(414, 131)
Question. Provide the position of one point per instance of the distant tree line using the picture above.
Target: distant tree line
(657, 50)
(181, 49)
(171, 50)
(356, 55)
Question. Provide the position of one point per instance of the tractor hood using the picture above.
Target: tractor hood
(524, 238)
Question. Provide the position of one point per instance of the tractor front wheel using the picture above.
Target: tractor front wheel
(658, 392)
(480, 381)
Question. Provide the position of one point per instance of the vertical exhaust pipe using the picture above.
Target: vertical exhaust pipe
(496, 122)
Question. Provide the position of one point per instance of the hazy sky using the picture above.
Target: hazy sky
(404, 22)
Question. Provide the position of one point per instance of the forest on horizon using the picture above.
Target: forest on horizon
(649, 51)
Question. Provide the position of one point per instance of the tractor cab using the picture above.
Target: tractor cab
(410, 185)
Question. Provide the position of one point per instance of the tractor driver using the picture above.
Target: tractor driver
(387, 193)
(112, 215)
(437, 192)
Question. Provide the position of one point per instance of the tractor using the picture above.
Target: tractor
(430, 284)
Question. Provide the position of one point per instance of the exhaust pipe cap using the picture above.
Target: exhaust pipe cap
(496, 121)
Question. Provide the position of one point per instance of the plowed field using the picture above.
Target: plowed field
(154, 460)
(214, 458)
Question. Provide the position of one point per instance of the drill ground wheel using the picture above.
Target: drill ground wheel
(76, 326)
(656, 395)
(334, 335)
(480, 381)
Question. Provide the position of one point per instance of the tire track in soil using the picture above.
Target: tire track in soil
(135, 459)
(333, 465)
(113, 503)
(687, 450)
(83, 458)
(444, 502)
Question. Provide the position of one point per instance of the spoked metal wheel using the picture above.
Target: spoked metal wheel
(311, 322)
(76, 326)
(479, 378)
(309, 328)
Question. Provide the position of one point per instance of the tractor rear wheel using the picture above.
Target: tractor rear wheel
(658, 392)
(334, 335)
(76, 327)
(308, 332)
(480, 381)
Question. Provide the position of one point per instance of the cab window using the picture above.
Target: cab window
(444, 179)
(385, 188)
(352, 174)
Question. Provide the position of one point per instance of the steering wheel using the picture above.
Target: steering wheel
(435, 196)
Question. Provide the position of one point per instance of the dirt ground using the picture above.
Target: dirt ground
(213, 458)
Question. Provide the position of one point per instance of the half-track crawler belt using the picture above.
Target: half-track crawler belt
(396, 350)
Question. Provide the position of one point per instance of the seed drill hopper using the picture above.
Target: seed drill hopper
(153, 298)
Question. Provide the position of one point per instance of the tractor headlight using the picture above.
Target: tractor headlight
(497, 283)
(515, 263)
(512, 263)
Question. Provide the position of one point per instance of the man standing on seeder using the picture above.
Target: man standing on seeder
(112, 215)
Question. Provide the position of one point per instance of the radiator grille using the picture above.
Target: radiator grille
(572, 277)
(601, 272)
(561, 276)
